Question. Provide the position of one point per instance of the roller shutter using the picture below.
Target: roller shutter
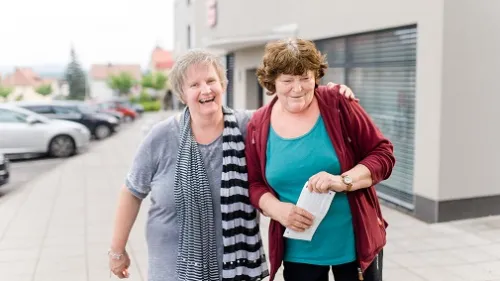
(380, 67)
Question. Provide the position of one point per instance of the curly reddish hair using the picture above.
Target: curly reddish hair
(291, 57)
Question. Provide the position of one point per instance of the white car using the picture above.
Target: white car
(25, 132)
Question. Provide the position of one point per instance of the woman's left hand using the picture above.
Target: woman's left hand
(344, 90)
(323, 182)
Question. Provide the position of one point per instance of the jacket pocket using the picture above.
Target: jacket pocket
(371, 235)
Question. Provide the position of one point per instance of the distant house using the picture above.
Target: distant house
(24, 82)
(161, 61)
(100, 73)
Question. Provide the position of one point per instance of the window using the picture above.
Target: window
(8, 116)
(230, 80)
(86, 109)
(60, 110)
(40, 109)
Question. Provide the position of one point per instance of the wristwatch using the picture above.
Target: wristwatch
(347, 180)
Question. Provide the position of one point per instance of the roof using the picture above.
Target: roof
(162, 59)
(104, 71)
(25, 77)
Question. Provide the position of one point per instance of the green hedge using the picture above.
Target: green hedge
(151, 105)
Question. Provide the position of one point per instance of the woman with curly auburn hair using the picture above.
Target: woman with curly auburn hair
(310, 134)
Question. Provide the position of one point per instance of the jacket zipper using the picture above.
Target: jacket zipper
(360, 274)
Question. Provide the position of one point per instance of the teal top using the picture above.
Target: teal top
(290, 162)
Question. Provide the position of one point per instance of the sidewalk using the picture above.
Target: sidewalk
(58, 226)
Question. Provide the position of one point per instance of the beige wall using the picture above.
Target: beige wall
(240, 17)
(328, 20)
(316, 19)
(29, 93)
(470, 121)
(458, 40)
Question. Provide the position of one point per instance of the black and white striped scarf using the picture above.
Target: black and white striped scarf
(197, 260)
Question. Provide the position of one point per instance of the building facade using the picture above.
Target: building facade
(99, 75)
(425, 70)
(24, 83)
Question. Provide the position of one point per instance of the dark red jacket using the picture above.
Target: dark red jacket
(356, 140)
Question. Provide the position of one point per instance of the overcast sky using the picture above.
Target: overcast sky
(40, 32)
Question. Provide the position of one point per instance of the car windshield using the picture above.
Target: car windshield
(87, 109)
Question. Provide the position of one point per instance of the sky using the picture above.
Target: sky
(41, 32)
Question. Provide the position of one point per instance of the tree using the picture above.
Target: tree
(44, 90)
(160, 81)
(77, 81)
(156, 81)
(5, 92)
(122, 83)
(148, 81)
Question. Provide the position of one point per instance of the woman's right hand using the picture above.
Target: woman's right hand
(294, 217)
(120, 266)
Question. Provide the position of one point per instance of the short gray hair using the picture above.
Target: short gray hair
(194, 57)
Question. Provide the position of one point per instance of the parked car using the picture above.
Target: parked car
(25, 132)
(4, 170)
(100, 125)
(139, 109)
(120, 116)
(128, 113)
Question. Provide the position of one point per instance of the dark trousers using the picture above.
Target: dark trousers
(342, 272)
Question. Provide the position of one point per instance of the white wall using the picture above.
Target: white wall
(470, 116)
(100, 90)
(244, 59)
(183, 16)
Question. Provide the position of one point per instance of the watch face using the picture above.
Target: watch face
(347, 180)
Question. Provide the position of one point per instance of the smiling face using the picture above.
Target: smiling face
(202, 89)
(295, 92)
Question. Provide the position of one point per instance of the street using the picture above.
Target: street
(25, 170)
(56, 220)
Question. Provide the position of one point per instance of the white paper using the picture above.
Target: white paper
(315, 203)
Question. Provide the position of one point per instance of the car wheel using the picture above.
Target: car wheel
(102, 132)
(128, 119)
(62, 146)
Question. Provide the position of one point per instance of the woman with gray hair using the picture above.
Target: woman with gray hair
(201, 225)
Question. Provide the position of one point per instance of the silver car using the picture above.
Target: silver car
(25, 132)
